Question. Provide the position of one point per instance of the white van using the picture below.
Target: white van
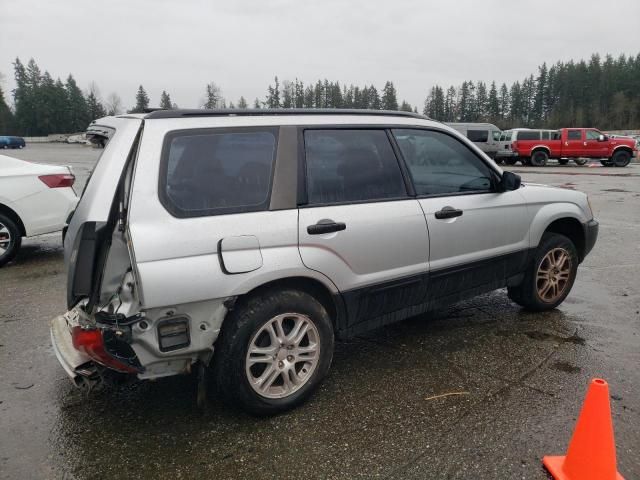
(484, 135)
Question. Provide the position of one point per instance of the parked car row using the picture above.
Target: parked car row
(12, 142)
(537, 146)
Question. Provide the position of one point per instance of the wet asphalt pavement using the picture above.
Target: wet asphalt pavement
(518, 379)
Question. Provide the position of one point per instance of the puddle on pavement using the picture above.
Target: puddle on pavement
(537, 335)
(565, 367)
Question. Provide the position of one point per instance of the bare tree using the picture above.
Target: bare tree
(113, 104)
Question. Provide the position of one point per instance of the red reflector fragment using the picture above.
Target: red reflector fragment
(58, 181)
(90, 342)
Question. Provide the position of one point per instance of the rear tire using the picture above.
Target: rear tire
(581, 161)
(10, 239)
(606, 163)
(510, 161)
(621, 158)
(539, 158)
(550, 276)
(257, 346)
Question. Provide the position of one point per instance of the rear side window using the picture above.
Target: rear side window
(574, 135)
(344, 166)
(213, 172)
(529, 135)
(478, 135)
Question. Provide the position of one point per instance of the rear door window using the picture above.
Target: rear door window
(479, 136)
(347, 166)
(213, 172)
(574, 135)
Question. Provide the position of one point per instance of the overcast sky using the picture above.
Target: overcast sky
(181, 45)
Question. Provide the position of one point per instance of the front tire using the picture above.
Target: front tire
(274, 350)
(10, 239)
(621, 158)
(581, 161)
(550, 276)
(510, 161)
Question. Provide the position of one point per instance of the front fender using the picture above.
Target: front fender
(549, 213)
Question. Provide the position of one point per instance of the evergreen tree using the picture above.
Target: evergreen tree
(256, 104)
(242, 103)
(389, 99)
(142, 101)
(77, 107)
(273, 96)
(95, 108)
(406, 107)
(165, 101)
(6, 116)
(493, 104)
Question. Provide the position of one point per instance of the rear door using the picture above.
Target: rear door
(573, 145)
(478, 237)
(358, 225)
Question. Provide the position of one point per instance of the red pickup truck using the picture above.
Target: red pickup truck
(573, 143)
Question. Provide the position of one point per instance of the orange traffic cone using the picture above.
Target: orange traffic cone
(592, 450)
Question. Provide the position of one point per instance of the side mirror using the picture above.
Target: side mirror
(602, 138)
(509, 181)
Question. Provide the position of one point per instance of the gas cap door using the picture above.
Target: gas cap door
(240, 254)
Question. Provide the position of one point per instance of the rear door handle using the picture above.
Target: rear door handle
(448, 212)
(326, 226)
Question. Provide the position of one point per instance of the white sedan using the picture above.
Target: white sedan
(34, 199)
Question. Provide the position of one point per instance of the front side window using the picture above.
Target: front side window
(478, 135)
(344, 166)
(209, 172)
(440, 164)
(574, 135)
(545, 135)
(593, 134)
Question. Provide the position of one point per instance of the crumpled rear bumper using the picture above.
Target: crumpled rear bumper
(76, 364)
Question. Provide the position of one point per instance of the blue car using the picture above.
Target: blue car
(12, 142)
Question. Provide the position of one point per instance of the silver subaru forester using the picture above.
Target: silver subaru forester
(240, 244)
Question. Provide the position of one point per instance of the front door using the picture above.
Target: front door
(478, 236)
(358, 225)
(594, 148)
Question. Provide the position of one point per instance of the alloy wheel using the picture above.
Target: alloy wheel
(553, 275)
(282, 355)
(5, 239)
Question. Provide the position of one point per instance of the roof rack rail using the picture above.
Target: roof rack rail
(181, 113)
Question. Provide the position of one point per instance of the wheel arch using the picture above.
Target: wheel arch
(537, 148)
(620, 148)
(571, 228)
(330, 299)
(9, 212)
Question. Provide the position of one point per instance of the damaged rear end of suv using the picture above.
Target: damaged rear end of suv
(107, 334)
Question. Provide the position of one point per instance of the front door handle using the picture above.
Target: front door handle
(326, 226)
(448, 212)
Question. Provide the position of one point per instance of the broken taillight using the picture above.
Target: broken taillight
(58, 180)
(91, 342)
